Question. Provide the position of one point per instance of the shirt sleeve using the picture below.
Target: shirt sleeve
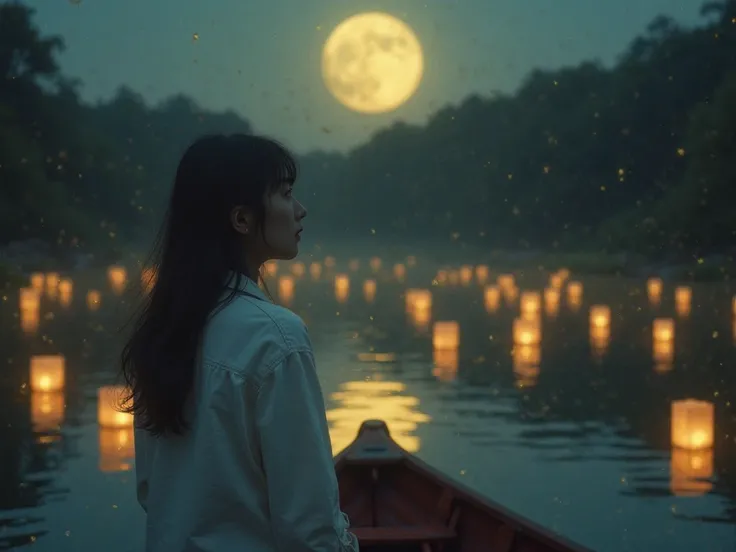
(297, 459)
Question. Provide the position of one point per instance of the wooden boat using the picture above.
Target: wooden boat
(397, 502)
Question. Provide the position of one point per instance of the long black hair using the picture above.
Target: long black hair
(196, 249)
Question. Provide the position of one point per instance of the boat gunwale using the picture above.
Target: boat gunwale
(460, 491)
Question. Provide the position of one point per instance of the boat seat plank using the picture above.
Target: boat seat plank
(371, 536)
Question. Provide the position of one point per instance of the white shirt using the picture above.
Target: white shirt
(254, 472)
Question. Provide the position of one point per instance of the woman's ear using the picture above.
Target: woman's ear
(241, 220)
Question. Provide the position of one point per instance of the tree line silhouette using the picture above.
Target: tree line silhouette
(637, 157)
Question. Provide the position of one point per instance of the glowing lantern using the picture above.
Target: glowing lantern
(491, 298)
(315, 270)
(286, 289)
(118, 277)
(47, 411)
(271, 267)
(329, 262)
(47, 373)
(510, 294)
(298, 269)
(453, 277)
(375, 264)
(482, 273)
(52, 281)
(654, 289)
(506, 281)
(148, 279)
(683, 300)
(342, 287)
(441, 277)
(663, 329)
(354, 265)
(600, 316)
(109, 401)
(446, 335)
(93, 299)
(466, 274)
(399, 271)
(37, 281)
(29, 321)
(690, 471)
(527, 332)
(574, 294)
(446, 363)
(531, 304)
(418, 299)
(692, 424)
(551, 301)
(30, 301)
(369, 290)
(65, 292)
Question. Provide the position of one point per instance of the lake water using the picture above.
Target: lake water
(574, 434)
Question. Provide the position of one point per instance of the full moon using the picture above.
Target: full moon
(372, 62)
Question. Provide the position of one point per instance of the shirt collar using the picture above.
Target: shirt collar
(247, 286)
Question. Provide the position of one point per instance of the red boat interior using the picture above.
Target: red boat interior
(396, 503)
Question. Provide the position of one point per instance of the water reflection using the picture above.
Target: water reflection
(357, 401)
(522, 383)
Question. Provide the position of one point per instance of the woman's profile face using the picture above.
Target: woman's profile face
(283, 223)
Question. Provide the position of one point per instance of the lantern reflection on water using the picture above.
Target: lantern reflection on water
(600, 338)
(663, 354)
(47, 411)
(357, 401)
(446, 335)
(527, 332)
(115, 430)
(446, 363)
(690, 471)
(47, 373)
(481, 273)
(286, 289)
(492, 298)
(369, 290)
(342, 287)
(526, 360)
(118, 277)
(29, 299)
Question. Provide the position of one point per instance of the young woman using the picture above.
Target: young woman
(232, 447)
